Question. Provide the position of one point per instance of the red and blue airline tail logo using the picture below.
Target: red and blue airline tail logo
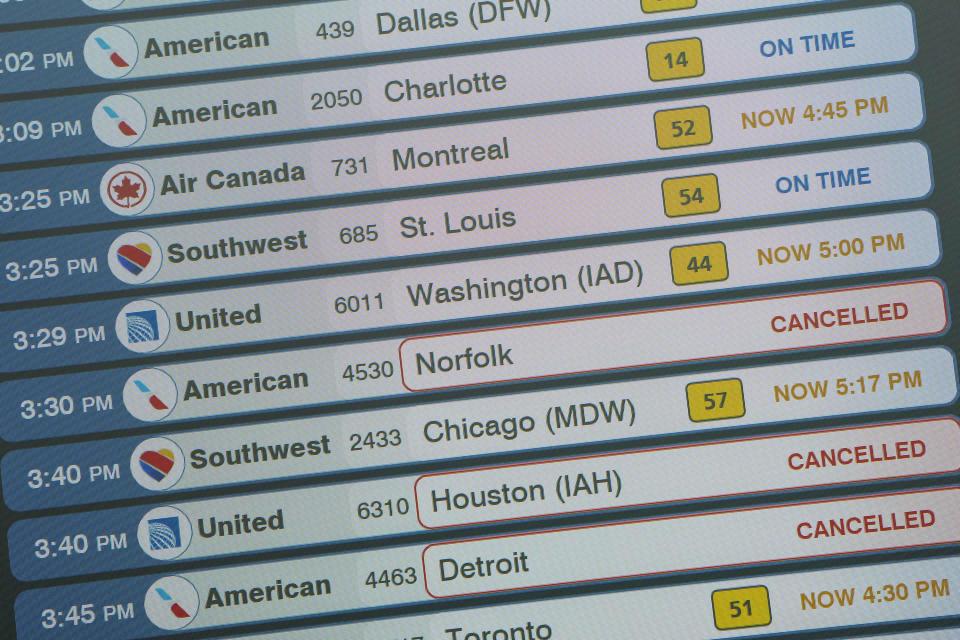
(114, 57)
(119, 120)
(111, 52)
(154, 401)
(175, 608)
(171, 602)
(122, 125)
(150, 394)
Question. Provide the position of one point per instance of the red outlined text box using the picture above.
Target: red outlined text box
(689, 333)
(940, 437)
(715, 540)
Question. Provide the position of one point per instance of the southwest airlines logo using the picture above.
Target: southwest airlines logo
(119, 120)
(164, 533)
(142, 326)
(134, 257)
(157, 464)
(150, 395)
(111, 52)
(171, 602)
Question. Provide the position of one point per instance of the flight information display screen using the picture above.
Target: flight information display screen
(479, 319)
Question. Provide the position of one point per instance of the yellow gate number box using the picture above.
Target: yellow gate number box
(696, 263)
(741, 608)
(691, 195)
(653, 6)
(689, 127)
(715, 400)
(675, 59)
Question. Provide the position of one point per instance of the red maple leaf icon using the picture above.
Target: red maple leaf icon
(127, 190)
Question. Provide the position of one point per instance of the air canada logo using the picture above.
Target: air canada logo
(134, 257)
(142, 326)
(111, 52)
(103, 5)
(157, 464)
(119, 120)
(150, 395)
(172, 602)
(164, 533)
(127, 189)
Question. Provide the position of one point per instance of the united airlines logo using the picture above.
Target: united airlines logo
(164, 533)
(142, 326)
